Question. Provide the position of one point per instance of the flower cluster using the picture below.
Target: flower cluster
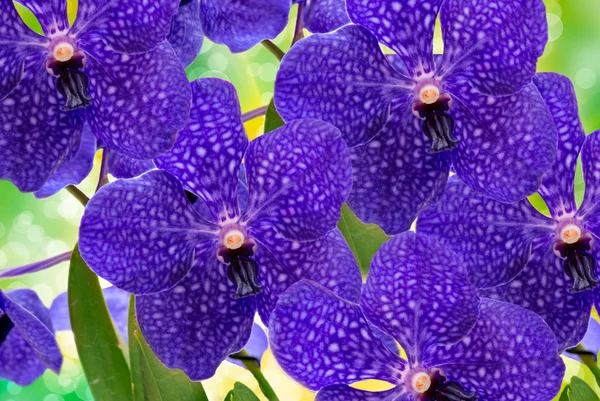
(208, 229)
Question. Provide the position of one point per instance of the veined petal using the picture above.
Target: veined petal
(418, 291)
(298, 177)
(322, 16)
(140, 234)
(509, 355)
(591, 175)
(543, 287)
(140, 102)
(186, 34)
(405, 26)
(341, 392)
(30, 347)
(557, 187)
(341, 78)
(208, 151)
(197, 324)
(241, 25)
(320, 339)
(493, 238)
(394, 177)
(506, 144)
(495, 45)
(121, 166)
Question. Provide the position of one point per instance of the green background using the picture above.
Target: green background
(32, 229)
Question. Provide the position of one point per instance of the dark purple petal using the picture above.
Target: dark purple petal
(17, 42)
(208, 151)
(117, 302)
(320, 339)
(242, 24)
(197, 324)
(121, 166)
(342, 78)
(394, 177)
(493, 238)
(591, 173)
(591, 340)
(418, 292)
(405, 26)
(140, 101)
(186, 34)
(52, 14)
(74, 169)
(341, 392)
(298, 177)
(495, 45)
(543, 287)
(322, 16)
(140, 233)
(506, 144)
(328, 261)
(510, 355)
(132, 26)
(557, 185)
(30, 346)
(36, 135)
(255, 347)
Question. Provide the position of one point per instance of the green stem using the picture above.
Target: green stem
(274, 49)
(264, 385)
(80, 196)
(588, 360)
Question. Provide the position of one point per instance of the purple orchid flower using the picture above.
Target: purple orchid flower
(407, 118)
(515, 252)
(459, 348)
(200, 280)
(113, 69)
(27, 343)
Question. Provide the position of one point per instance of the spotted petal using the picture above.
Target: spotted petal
(328, 261)
(495, 45)
(320, 339)
(298, 177)
(322, 16)
(30, 347)
(52, 14)
(341, 392)
(506, 144)
(342, 78)
(241, 25)
(74, 169)
(186, 34)
(140, 102)
(125, 26)
(544, 288)
(121, 166)
(197, 324)
(405, 26)
(140, 234)
(509, 355)
(394, 177)
(36, 136)
(209, 150)
(493, 238)
(418, 292)
(591, 175)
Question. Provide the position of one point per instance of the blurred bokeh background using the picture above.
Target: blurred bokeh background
(32, 230)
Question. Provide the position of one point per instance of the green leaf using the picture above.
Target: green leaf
(580, 391)
(564, 396)
(363, 239)
(241, 393)
(97, 343)
(159, 382)
(272, 119)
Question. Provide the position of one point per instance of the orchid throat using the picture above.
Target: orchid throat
(237, 251)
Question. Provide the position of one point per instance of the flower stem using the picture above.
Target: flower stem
(252, 114)
(588, 360)
(264, 385)
(103, 176)
(274, 49)
(298, 33)
(80, 196)
(37, 266)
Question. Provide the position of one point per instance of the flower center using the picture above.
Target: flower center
(421, 382)
(573, 244)
(570, 234)
(234, 239)
(6, 326)
(237, 251)
(432, 106)
(63, 52)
